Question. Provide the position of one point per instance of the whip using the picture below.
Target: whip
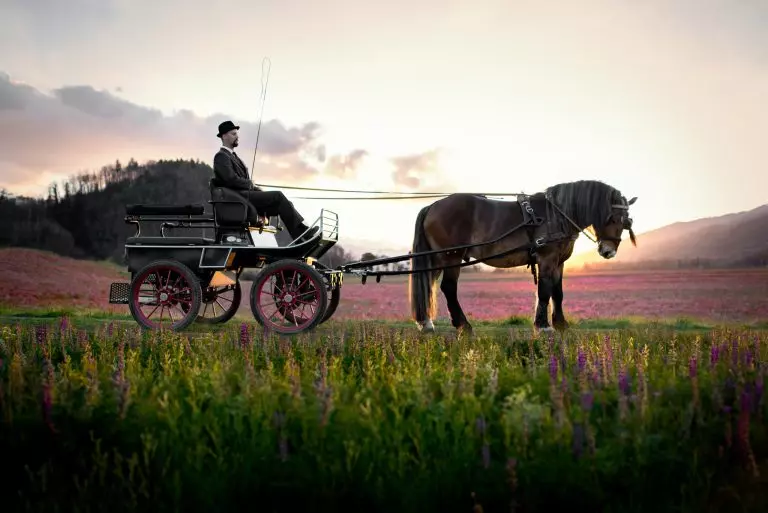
(263, 98)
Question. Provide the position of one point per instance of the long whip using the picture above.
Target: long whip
(263, 98)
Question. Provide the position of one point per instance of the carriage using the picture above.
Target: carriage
(180, 279)
(193, 273)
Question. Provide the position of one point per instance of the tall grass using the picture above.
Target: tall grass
(368, 418)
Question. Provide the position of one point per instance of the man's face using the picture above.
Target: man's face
(231, 138)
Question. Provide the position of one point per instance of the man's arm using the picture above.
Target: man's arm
(225, 172)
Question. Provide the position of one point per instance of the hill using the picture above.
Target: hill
(84, 216)
(732, 240)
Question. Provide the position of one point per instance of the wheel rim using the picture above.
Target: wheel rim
(288, 300)
(162, 297)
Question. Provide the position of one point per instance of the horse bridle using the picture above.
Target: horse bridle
(621, 217)
(624, 219)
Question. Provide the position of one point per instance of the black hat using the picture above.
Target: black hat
(226, 127)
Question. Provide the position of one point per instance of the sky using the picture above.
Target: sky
(665, 100)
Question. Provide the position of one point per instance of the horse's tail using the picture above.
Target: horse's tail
(421, 284)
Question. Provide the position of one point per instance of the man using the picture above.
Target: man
(230, 172)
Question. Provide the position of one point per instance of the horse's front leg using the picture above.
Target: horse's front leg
(544, 294)
(558, 317)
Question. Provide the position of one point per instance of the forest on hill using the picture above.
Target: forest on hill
(83, 217)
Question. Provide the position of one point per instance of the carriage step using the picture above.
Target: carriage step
(119, 293)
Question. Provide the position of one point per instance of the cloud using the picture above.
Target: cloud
(412, 170)
(345, 166)
(78, 127)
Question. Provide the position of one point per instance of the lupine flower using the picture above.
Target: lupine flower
(714, 354)
(582, 360)
(587, 399)
(692, 367)
(245, 337)
(623, 381)
(553, 368)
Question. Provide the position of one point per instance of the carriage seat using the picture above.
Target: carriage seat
(231, 209)
(170, 241)
(164, 210)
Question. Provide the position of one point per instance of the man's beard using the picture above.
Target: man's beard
(234, 144)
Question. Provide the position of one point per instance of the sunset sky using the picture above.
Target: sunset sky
(666, 100)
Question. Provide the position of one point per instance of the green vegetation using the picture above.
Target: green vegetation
(367, 417)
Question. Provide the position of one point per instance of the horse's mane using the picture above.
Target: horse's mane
(587, 202)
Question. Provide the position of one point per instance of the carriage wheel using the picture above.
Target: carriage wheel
(220, 303)
(165, 295)
(289, 297)
(333, 302)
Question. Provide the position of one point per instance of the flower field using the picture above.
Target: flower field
(714, 295)
(369, 418)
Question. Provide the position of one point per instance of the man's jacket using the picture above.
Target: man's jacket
(230, 172)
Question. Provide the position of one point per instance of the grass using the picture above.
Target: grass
(367, 416)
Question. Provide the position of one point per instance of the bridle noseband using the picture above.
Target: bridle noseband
(621, 217)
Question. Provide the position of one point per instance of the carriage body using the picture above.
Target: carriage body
(177, 279)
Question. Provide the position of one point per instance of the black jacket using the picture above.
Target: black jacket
(230, 172)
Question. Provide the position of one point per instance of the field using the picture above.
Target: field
(33, 280)
(653, 402)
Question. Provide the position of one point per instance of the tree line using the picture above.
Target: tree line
(83, 216)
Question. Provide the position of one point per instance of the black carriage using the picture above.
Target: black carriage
(176, 280)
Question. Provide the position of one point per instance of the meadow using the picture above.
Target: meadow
(368, 417)
(654, 401)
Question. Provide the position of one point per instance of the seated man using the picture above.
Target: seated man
(231, 172)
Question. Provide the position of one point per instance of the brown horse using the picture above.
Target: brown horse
(537, 230)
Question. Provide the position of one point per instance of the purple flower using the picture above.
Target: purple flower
(40, 333)
(587, 399)
(692, 367)
(623, 381)
(553, 368)
(714, 355)
(582, 360)
(245, 338)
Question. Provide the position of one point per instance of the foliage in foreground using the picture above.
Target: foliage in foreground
(375, 419)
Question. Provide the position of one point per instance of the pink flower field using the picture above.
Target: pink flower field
(718, 295)
(39, 279)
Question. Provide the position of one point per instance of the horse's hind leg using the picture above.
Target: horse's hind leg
(558, 317)
(449, 286)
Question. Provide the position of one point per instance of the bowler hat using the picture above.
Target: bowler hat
(226, 127)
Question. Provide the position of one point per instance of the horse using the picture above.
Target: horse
(536, 230)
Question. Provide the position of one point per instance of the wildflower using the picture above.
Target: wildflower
(553, 368)
(587, 399)
(41, 334)
(692, 367)
(714, 354)
(245, 337)
(623, 381)
(582, 360)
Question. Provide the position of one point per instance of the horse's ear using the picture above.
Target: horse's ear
(632, 200)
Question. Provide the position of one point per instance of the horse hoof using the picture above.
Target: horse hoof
(426, 327)
(545, 329)
(562, 326)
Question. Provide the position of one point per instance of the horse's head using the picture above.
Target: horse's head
(610, 231)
